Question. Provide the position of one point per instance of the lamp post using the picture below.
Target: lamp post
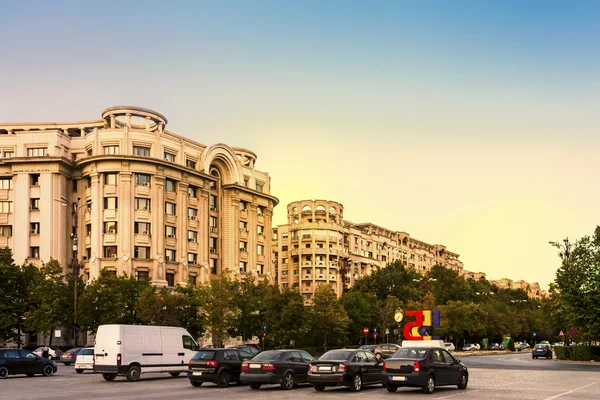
(74, 261)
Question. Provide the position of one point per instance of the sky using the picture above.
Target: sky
(472, 124)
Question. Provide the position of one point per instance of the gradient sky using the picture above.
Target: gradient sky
(471, 124)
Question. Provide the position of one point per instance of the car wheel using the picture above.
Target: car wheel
(67, 364)
(109, 377)
(49, 356)
(79, 371)
(48, 370)
(464, 379)
(391, 388)
(356, 383)
(223, 379)
(255, 386)
(174, 374)
(430, 385)
(288, 381)
(3, 372)
(133, 374)
(196, 383)
(319, 388)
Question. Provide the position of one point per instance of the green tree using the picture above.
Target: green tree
(192, 319)
(250, 303)
(387, 309)
(163, 307)
(462, 320)
(285, 316)
(446, 284)
(218, 307)
(327, 317)
(395, 280)
(362, 313)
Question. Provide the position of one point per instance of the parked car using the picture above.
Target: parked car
(53, 354)
(220, 366)
(18, 361)
(388, 349)
(69, 356)
(84, 360)
(247, 348)
(425, 367)
(523, 346)
(494, 346)
(345, 367)
(373, 348)
(284, 367)
(449, 346)
(541, 350)
(469, 347)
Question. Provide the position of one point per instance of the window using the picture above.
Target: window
(259, 210)
(260, 250)
(141, 252)
(243, 205)
(34, 204)
(89, 151)
(192, 213)
(192, 236)
(142, 179)
(212, 199)
(110, 227)
(214, 265)
(260, 230)
(141, 228)
(88, 253)
(143, 276)
(192, 258)
(170, 231)
(259, 186)
(244, 247)
(212, 244)
(213, 222)
(243, 266)
(141, 151)
(169, 185)
(190, 164)
(74, 188)
(188, 343)
(110, 203)
(142, 204)
(8, 154)
(34, 252)
(169, 157)
(6, 230)
(36, 152)
(260, 269)
(5, 183)
(212, 185)
(110, 252)
(88, 230)
(243, 226)
(110, 178)
(246, 180)
(112, 150)
(34, 228)
(192, 191)
(169, 255)
(170, 208)
(34, 179)
(170, 279)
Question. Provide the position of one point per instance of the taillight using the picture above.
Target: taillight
(244, 367)
(69, 355)
(384, 366)
(417, 367)
(119, 359)
(268, 367)
(190, 363)
(310, 368)
(212, 363)
(341, 368)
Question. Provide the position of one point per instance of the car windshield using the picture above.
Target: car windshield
(268, 356)
(414, 353)
(336, 355)
(204, 355)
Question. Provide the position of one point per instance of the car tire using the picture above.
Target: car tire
(49, 357)
(464, 380)
(109, 377)
(288, 381)
(48, 370)
(3, 372)
(174, 374)
(223, 379)
(79, 371)
(255, 386)
(391, 388)
(319, 388)
(133, 373)
(67, 364)
(196, 383)
(356, 383)
(429, 386)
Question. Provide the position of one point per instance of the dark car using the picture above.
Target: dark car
(247, 348)
(17, 361)
(346, 367)
(494, 346)
(541, 350)
(425, 367)
(388, 349)
(69, 356)
(373, 348)
(220, 366)
(284, 367)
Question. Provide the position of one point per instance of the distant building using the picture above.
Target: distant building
(532, 289)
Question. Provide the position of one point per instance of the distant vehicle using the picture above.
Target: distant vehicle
(247, 348)
(469, 347)
(220, 366)
(84, 360)
(53, 354)
(69, 356)
(494, 346)
(541, 350)
(523, 346)
(18, 361)
(345, 367)
(559, 344)
(424, 367)
(388, 349)
(284, 367)
(132, 350)
(373, 348)
(449, 346)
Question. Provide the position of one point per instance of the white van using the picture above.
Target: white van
(132, 350)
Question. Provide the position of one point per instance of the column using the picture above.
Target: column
(96, 221)
(125, 218)
(158, 230)
(182, 232)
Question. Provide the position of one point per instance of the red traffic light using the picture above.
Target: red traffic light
(365, 330)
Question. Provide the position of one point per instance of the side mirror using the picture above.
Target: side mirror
(457, 361)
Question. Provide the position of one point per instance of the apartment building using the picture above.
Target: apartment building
(317, 246)
(133, 198)
(533, 290)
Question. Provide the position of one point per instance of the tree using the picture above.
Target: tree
(395, 280)
(326, 315)
(361, 310)
(164, 308)
(387, 309)
(218, 307)
(446, 285)
(285, 315)
(250, 304)
(462, 320)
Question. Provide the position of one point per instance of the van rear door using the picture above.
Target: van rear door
(107, 345)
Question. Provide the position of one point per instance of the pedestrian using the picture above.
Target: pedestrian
(45, 352)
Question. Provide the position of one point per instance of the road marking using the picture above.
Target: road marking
(458, 394)
(570, 391)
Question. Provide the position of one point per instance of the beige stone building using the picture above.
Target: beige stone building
(533, 290)
(146, 202)
(317, 243)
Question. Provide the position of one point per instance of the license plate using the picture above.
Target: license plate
(197, 373)
(324, 368)
(398, 378)
(255, 366)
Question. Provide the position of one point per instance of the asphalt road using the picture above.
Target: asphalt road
(503, 377)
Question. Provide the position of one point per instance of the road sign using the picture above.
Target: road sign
(534, 333)
(265, 327)
(573, 331)
(365, 330)
(264, 334)
(374, 331)
(561, 333)
(387, 331)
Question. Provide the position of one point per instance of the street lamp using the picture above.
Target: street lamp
(74, 261)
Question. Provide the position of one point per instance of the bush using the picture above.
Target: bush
(577, 353)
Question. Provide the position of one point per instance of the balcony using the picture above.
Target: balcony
(244, 214)
(110, 190)
(192, 201)
(88, 192)
(110, 238)
(243, 233)
(110, 214)
(170, 219)
(142, 214)
(214, 230)
(307, 276)
(141, 239)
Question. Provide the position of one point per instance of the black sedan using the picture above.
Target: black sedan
(284, 367)
(220, 366)
(346, 367)
(541, 350)
(69, 356)
(425, 367)
(16, 361)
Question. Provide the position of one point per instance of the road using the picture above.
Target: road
(503, 377)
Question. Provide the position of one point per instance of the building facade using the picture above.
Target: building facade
(133, 198)
(317, 246)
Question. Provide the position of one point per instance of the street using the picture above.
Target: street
(511, 376)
